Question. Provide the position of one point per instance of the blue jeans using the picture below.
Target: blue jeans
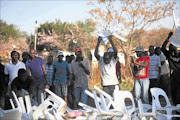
(142, 85)
(80, 95)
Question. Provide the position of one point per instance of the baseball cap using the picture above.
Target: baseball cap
(139, 49)
(59, 53)
(78, 49)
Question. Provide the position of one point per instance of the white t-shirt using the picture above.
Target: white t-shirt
(164, 68)
(108, 72)
(12, 70)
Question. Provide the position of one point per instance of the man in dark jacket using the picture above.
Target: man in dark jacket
(173, 57)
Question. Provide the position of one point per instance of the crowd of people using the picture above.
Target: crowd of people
(151, 71)
(69, 78)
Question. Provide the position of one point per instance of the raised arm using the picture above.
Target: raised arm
(113, 46)
(164, 50)
(96, 54)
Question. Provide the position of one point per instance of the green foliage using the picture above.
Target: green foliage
(10, 31)
(126, 85)
(86, 26)
(87, 53)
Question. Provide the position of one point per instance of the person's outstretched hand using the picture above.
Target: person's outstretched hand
(110, 37)
(170, 34)
(99, 39)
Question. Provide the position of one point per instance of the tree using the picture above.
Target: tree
(62, 35)
(134, 17)
(10, 31)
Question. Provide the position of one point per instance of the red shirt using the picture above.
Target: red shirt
(142, 72)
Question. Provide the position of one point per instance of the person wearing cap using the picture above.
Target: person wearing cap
(35, 67)
(60, 76)
(107, 65)
(141, 76)
(80, 73)
(173, 57)
(25, 57)
(154, 70)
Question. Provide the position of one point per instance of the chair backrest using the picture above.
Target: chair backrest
(156, 92)
(120, 98)
(17, 101)
(58, 101)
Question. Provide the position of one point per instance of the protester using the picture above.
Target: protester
(80, 72)
(35, 67)
(49, 71)
(173, 57)
(60, 76)
(71, 97)
(141, 76)
(23, 82)
(164, 78)
(3, 86)
(72, 57)
(118, 65)
(11, 68)
(154, 70)
(25, 57)
(108, 68)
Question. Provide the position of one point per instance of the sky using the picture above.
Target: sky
(24, 13)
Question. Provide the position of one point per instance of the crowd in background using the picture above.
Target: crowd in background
(69, 78)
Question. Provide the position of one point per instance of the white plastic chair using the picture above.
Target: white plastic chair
(12, 114)
(119, 99)
(26, 111)
(143, 110)
(103, 112)
(156, 92)
(52, 102)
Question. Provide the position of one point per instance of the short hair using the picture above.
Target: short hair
(32, 49)
(25, 53)
(21, 71)
(107, 54)
(15, 52)
(151, 46)
(50, 56)
(157, 48)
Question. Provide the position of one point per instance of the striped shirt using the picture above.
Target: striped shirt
(154, 66)
(49, 73)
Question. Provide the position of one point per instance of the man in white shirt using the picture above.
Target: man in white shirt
(108, 68)
(11, 68)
